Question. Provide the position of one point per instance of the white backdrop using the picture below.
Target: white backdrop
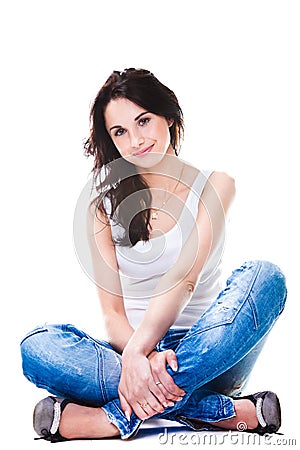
(234, 66)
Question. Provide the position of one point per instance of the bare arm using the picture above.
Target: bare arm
(177, 285)
(106, 276)
(119, 331)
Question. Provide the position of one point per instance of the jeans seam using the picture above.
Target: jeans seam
(99, 370)
(33, 333)
(254, 311)
(244, 299)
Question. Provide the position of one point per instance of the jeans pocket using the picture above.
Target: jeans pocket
(224, 312)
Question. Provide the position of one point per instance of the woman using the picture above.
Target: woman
(179, 347)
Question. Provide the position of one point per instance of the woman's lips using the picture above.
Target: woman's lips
(144, 151)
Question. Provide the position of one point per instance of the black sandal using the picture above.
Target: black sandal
(46, 418)
(268, 412)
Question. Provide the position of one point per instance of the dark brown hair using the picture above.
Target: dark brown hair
(145, 90)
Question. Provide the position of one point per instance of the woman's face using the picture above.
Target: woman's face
(141, 137)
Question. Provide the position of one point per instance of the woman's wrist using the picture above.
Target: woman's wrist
(131, 350)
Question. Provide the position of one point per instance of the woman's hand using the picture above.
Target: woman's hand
(137, 388)
(158, 362)
(145, 392)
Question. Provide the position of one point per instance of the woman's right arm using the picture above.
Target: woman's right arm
(118, 329)
(106, 276)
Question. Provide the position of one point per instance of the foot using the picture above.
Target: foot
(245, 418)
(268, 412)
(258, 413)
(57, 419)
(78, 422)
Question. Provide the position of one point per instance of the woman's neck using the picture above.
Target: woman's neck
(164, 174)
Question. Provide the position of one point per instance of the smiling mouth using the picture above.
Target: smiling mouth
(144, 151)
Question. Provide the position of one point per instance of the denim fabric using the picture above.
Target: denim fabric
(215, 356)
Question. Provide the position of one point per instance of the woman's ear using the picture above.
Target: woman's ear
(170, 122)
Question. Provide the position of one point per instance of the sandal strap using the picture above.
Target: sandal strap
(258, 400)
(51, 433)
(56, 417)
(259, 413)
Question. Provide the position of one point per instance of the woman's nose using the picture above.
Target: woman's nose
(136, 139)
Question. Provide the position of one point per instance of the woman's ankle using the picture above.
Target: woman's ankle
(78, 422)
(246, 413)
(245, 418)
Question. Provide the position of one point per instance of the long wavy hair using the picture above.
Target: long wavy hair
(113, 176)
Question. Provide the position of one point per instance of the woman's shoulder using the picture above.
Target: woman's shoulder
(221, 181)
(224, 186)
(192, 172)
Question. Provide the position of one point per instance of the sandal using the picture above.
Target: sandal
(46, 418)
(268, 412)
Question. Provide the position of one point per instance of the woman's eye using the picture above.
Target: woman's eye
(119, 132)
(144, 121)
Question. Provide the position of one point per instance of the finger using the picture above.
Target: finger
(125, 406)
(164, 397)
(150, 411)
(166, 384)
(169, 385)
(156, 398)
(172, 360)
(170, 398)
(169, 388)
(143, 410)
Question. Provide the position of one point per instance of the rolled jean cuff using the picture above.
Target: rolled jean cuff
(196, 420)
(116, 416)
(203, 405)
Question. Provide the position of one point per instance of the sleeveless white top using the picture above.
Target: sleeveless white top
(142, 265)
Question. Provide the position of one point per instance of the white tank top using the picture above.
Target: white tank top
(142, 265)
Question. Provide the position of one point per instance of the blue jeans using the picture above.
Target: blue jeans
(215, 356)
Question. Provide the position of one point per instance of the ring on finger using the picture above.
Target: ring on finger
(143, 405)
(157, 383)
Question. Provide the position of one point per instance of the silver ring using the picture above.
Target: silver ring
(143, 405)
(157, 383)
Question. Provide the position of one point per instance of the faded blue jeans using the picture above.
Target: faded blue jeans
(215, 356)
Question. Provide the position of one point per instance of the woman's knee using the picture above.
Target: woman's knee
(36, 348)
(275, 284)
(264, 284)
(267, 293)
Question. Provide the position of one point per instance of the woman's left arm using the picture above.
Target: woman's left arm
(137, 385)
